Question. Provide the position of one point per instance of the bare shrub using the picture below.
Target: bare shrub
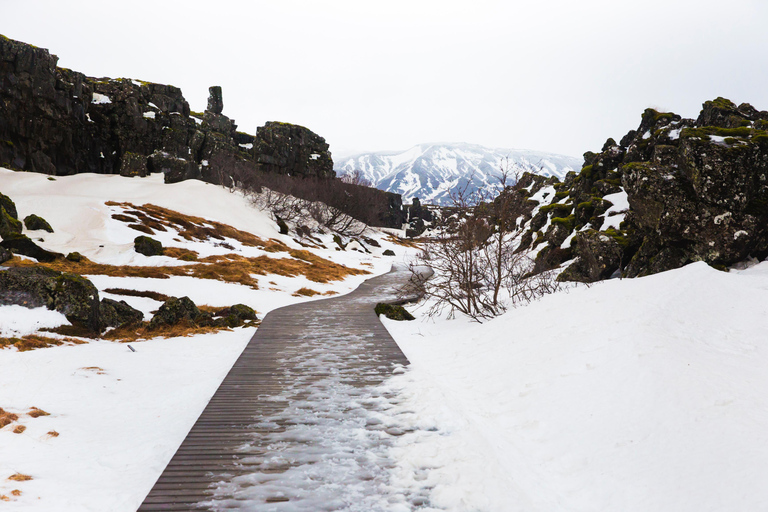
(476, 270)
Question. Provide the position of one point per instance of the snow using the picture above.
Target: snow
(149, 115)
(614, 215)
(249, 145)
(100, 99)
(633, 395)
(120, 415)
(18, 321)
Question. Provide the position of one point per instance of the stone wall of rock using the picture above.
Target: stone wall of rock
(697, 191)
(57, 121)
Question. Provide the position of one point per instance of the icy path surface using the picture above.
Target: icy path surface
(305, 420)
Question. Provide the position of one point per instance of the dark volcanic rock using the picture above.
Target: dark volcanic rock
(34, 222)
(215, 100)
(73, 295)
(118, 314)
(697, 191)
(5, 254)
(9, 205)
(176, 311)
(21, 244)
(291, 149)
(393, 312)
(147, 246)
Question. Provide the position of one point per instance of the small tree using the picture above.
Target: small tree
(476, 270)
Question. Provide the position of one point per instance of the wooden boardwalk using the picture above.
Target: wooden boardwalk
(284, 404)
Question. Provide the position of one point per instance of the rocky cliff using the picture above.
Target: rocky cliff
(671, 192)
(57, 121)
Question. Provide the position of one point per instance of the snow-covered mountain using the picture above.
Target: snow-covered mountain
(432, 171)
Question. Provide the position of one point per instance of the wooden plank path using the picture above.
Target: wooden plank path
(296, 417)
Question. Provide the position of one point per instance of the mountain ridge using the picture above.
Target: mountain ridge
(435, 171)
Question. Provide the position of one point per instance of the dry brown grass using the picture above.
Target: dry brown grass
(161, 297)
(52, 433)
(34, 412)
(405, 242)
(330, 293)
(6, 418)
(98, 370)
(16, 493)
(18, 477)
(3, 497)
(305, 292)
(19, 429)
(143, 332)
(33, 341)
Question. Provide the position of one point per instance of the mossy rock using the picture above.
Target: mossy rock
(8, 223)
(337, 240)
(393, 312)
(9, 206)
(34, 222)
(388, 252)
(70, 294)
(234, 316)
(114, 313)
(74, 257)
(147, 246)
(176, 311)
(21, 244)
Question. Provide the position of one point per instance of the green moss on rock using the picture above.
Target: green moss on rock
(393, 312)
(34, 222)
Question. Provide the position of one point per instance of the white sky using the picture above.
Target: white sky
(553, 75)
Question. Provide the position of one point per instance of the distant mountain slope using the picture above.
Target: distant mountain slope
(432, 171)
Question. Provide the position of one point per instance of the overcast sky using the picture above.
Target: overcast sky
(553, 75)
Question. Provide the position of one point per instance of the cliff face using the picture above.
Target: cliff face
(57, 121)
(671, 192)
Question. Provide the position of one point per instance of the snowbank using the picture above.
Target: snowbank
(632, 395)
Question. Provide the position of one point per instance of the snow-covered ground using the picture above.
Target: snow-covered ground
(116, 416)
(648, 394)
(636, 395)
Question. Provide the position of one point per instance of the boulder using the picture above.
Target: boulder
(147, 246)
(9, 205)
(118, 314)
(73, 295)
(34, 222)
(234, 316)
(393, 312)
(21, 244)
(176, 311)
(215, 100)
(8, 224)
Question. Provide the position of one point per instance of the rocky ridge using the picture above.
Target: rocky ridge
(671, 192)
(57, 121)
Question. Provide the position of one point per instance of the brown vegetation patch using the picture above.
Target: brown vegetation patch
(34, 412)
(18, 477)
(52, 433)
(142, 228)
(16, 493)
(305, 292)
(330, 293)
(143, 332)
(98, 370)
(403, 241)
(6, 418)
(33, 341)
(19, 429)
(195, 228)
(138, 293)
(180, 253)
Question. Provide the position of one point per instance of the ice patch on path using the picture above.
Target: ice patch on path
(20, 321)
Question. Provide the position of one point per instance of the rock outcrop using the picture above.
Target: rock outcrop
(57, 121)
(697, 190)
